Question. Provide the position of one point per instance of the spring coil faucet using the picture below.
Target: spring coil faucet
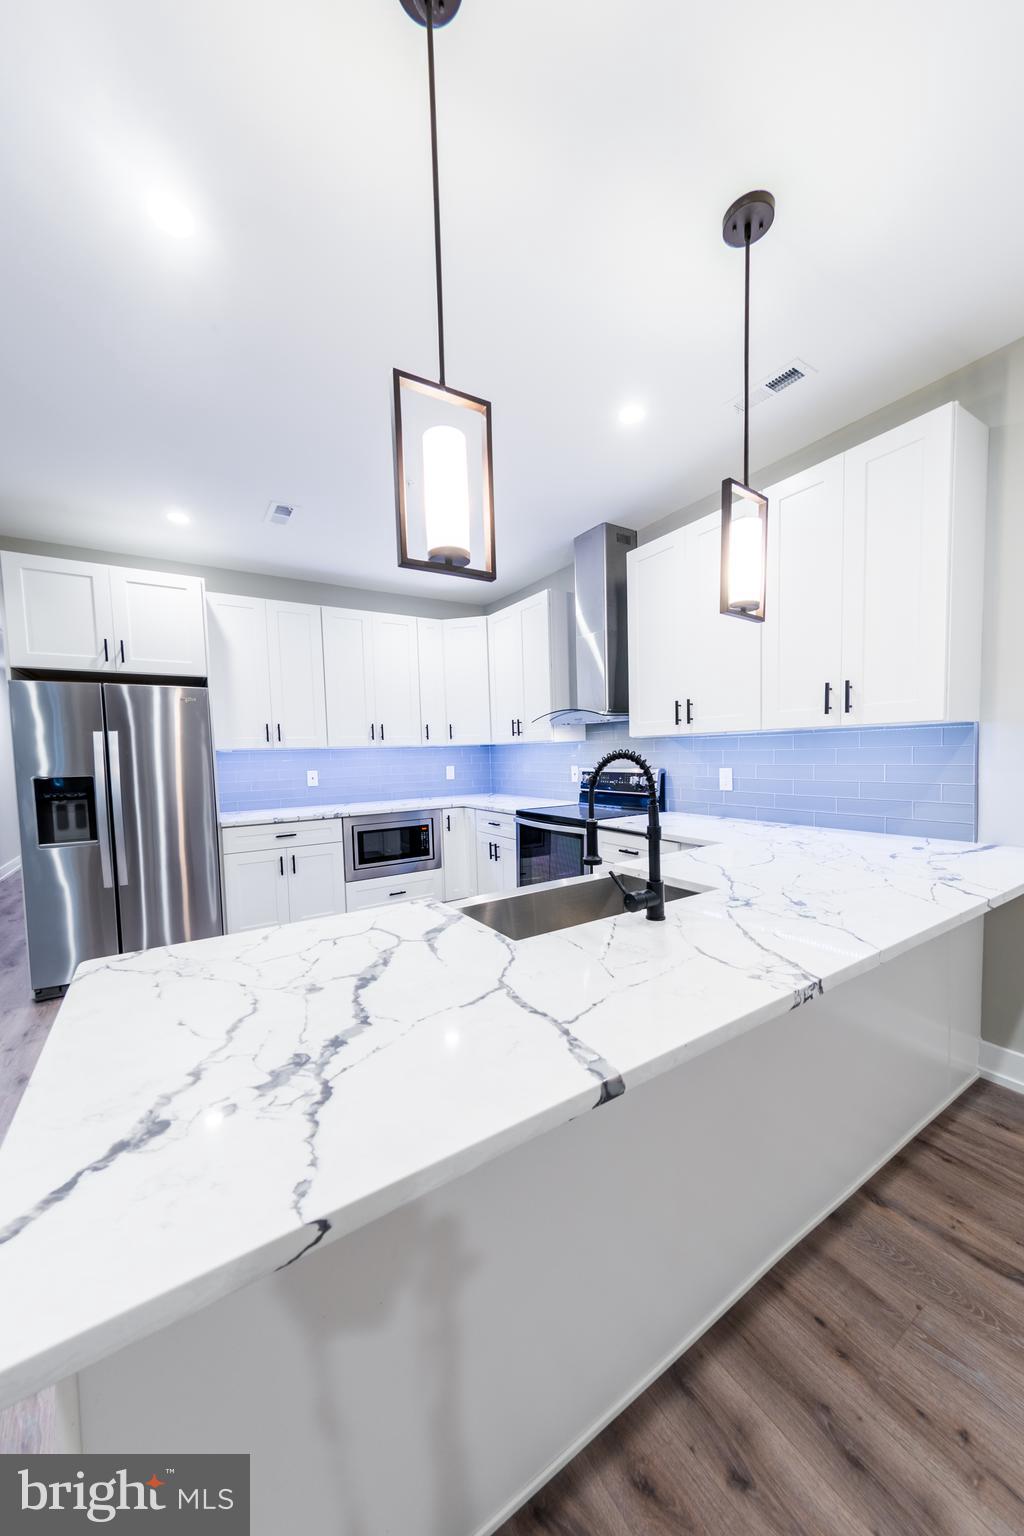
(651, 900)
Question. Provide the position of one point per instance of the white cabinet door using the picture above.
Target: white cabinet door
(466, 680)
(896, 571)
(458, 852)
(396, 682)
(495, 865)
(505, 859)
(239, 672)
(505, 652)
(255, 890)
(348, 677)
(538, 665)
(295, 647)
(430, 645)
(316, 881)
(655, 585)
(804, 601)
(159, 623)
(58, 614)
(721, 655)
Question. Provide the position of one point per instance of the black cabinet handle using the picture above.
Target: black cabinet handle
(634, 853)
(106, 653)
(689, 711)
(847, 696)
(279, 730)
(281, 862)
(497, 853)
(398, 893)
(426, 731)
(373, 731)
(451, 733)
(519, 727)
(448, 823)
(490, 851)
(293, 863)
(382, 730)
(285, 834)
(266, 727)
(828, 698)
(678, 719)
(122, 653)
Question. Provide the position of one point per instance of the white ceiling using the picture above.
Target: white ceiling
(588, 151)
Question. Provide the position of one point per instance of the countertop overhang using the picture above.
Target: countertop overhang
(204, 1114)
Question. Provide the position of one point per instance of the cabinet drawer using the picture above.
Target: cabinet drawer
(360, 894)
(280, 835)
(630, 847)
(496, 824)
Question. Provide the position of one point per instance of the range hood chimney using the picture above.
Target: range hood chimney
(602, 674)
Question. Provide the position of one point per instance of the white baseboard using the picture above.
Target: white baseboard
(1001, 1065)
(10, 868)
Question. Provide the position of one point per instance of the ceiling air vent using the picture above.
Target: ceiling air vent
(775, 383)
(279, 512)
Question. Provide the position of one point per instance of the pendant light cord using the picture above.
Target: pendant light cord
(437, 194)
(746, 353)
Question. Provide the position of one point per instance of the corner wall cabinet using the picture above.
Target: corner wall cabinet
(875, 580)
(75, 616)
(528, 651)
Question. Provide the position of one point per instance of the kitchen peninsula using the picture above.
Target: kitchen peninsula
(318, 1189)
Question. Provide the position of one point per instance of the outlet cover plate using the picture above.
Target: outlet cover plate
(312, 778)
(725, 778)
(449, 771)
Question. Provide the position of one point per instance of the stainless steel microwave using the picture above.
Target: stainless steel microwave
(399, 843)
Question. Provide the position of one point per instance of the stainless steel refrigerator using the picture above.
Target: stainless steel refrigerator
(118, 815)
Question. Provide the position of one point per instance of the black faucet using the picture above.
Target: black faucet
(651, 900)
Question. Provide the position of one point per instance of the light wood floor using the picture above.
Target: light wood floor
(871, 1385)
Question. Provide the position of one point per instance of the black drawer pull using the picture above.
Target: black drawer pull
(285, 834)
(634, 853)
(398, 893)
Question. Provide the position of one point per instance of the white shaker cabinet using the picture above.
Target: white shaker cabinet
(803, 627)
(458, 852)
(295, 649)
(433, 719)
(282, 872)
(348, 677)
(255, 890)
(396, 680)
(495, 863)
(466, 681)
(316, 881)
(76, 616)
(159, 623)
(528, 651)
(692, 670)
(875, 578)
(239, 672)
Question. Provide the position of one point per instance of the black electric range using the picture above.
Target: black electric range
(549, 838)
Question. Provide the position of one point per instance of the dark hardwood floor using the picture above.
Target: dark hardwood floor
(871, 1385)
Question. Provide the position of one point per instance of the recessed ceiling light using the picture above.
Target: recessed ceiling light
(632, 414)
(171, 215)
(175, 515)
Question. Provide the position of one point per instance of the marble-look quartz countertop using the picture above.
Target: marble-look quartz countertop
(509, 804)
(204, 1114)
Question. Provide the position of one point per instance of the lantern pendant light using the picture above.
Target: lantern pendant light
(444, 488)
(745, 511)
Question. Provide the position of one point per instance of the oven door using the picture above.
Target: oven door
(391, 845)
(546, 852)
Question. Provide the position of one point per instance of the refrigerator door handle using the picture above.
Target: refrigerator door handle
(102, 823)
(120, 847)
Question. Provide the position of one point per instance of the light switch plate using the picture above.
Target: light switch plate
(574, 773)
(725, 778)
(449, 771)
(312, 778)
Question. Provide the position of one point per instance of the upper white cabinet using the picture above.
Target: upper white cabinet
(528, 649)
(692, 670)
(296, 656)
(466, 680)
(875, 575)
(159, 622)
(371, 671)
(74, 616)
(433, 719)
(266, 673)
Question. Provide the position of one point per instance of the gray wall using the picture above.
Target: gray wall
(284, 589)
(993, 390)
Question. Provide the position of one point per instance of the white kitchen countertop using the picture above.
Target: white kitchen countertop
(204, 1114)
(507, 803)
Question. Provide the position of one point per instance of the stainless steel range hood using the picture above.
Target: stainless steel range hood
(602, 674)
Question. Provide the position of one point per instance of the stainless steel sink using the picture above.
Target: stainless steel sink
(561, 904)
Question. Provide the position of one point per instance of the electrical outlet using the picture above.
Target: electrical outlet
(312, 778)
(574, 773)
(449, 771)
(725, 778)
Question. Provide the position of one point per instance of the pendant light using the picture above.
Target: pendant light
(444, 488)
(745, 511)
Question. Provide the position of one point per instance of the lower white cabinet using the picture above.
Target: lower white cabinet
(361, 894)
(495, 863)
(458, 844)
(282, 873)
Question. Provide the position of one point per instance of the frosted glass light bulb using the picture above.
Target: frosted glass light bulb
(745, 557)
(446, 495)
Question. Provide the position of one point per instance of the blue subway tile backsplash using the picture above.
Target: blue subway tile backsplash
(917, 780)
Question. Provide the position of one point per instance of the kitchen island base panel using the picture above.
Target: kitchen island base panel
(428, 1372)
